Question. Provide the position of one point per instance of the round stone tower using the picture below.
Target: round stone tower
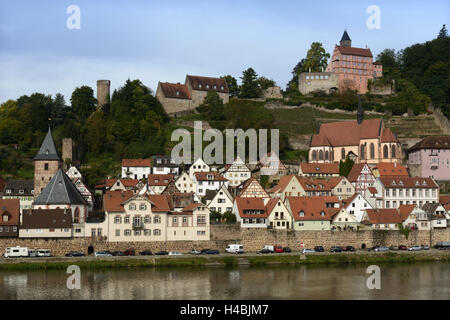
(103, 97)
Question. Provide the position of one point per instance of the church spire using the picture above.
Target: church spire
(345, 40)
(360, 115)
(48, 150)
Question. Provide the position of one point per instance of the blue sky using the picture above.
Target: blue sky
(165, 40)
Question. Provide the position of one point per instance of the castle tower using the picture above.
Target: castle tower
(67, 151)
(346, 41)
(46, 164)
(103, 93)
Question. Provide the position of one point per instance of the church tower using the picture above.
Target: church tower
(346, 41)
(46, 164)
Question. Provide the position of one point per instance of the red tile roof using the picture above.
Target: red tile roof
(170, 90)
(208, 83)
(203, 176)
(334, 181)
(405, 210)
(373, 190)
(136, 163)
(10, 207)
(112, 200)
(408, 182)
(444, 199)
(312, 207)
(311, 184)
(322, 168)
(383, 216)
(247, 204)
(388, 136)
(391, 169)
(436, 142)
(346, 133)
(355, 172)
(351, 51)
(160, 179)
(192, 206)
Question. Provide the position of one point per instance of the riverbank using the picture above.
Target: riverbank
(349, 258)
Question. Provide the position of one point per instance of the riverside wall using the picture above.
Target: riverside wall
(252, 240)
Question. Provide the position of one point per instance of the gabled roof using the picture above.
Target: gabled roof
(437, 142)
(444, 199)
(345, 36)
(386, 169)
(334, 181)
(10, 207)
(160, 179)
(351, 51)
(175, 90)
(312, 208)
(215, 176)
(388, 136)
(283, 183)
(191, 207)
(346, 203)
(355, 172)
(430, 207)
(112, 200)
(408, 182)
(248, 204)
(47, 219)
(60, 190)
(319, 168)
(136, 163)
(208, 83)
(15, 185)
(311, 184)
(48, 149)
(383, 216)
(405, 210)
(254, 182)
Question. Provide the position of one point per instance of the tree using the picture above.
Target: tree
(391, 65)
(250, 88)
(443, 32)
(83, 101)
(316, 58)
(345, 166)
(229, 217)
(233, 87)
(292, 85)
(212, 107)
(265, 83)
(215, 216)
(95, 132)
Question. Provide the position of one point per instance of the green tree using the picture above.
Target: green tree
(212, 107)
(292, 86)
(265, 83)
(229, 217)
(390, 61)
(233, 87)
(250, 87)
(316, 58)
(83, 101)
(443, 32)
(95, 132)
(345, 166)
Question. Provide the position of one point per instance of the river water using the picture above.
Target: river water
(414, 281)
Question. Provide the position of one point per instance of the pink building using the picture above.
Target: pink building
(354, 66)
(431, 158)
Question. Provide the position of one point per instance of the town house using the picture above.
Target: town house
(361, 177)
(320, 170)
(341, 188)
(222, 201)
(208, 181)
(9, 218)
(309, 213)
(185, 184)
(136, 168)
(237, 172)
(251, 212)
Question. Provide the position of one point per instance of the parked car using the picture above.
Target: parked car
(425, 247)
(381, 249)
(336, 249)
(213, 251)
(415, 248)
(118, 253)
(193, 251)
(103, 254)
(129, 252)
(287, 250)
(319, 249)
(350, 248)
(75, 254)
(145, 253)
(308, 251)
(372, 248)
(16, 252)
(32, 252)
(394, 248)
(402, 247)
(44, 253)
(204, 251)
(269, 247)
(235, 248)
(442, 245)
(161, 253)
(175, 253)
(264, 251)
(278, 249)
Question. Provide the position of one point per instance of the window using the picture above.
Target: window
(117, 232)
(156, 219)
(157, 232)
(147, 219)
(132, 207)
(343, 153)
(117, 219)
(127, 219)
(46, 166)
(147, 232)
(5, 218)
(385, 152)
(127, 232)
(142, 207)
(372, 151)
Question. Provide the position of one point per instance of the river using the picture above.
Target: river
(413, 281)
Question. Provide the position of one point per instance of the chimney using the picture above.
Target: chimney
(103, 93)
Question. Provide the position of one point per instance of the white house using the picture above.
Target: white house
(185, 184)
(159, 182)
(136, 168)
(414, 217)
(73, 173)
(279, 216)
(356, 206)
(222, 201)
(342, 219)
(208, 181)
(237, 173)
(198, 166)
(164, 165)
(251, 212)
(437, 215)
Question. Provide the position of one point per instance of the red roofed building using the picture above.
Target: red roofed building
(309, 213)
(389, 169)
(251, 212)
(354, 66)
(211, 180)
(136, 168)
(318, 169)
(9, 218)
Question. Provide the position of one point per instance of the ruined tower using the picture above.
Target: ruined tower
(67, 151)
(46, 163)
(103, 94)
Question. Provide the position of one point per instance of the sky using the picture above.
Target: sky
(165, 40)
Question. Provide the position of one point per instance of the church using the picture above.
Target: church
(366, 141)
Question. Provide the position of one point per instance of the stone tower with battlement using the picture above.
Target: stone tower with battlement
(103, 93)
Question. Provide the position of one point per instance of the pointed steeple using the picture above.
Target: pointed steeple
(360, 116)
(345, 40)
(48, 149)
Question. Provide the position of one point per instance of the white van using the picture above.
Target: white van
(270, 248)
(16, 252)
(32, 252)
(43, 253)
(235, 248)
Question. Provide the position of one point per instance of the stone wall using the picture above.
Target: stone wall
(251, 239)
(317, 81)
(441, 119)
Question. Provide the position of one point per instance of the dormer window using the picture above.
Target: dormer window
(178, 93)
(5, 218)
(424, 183)
(417, 183)
(393, 183)
(322, 213)
(8, 190)
(222, 88)
(21, 191)
(401, 182)
(215, 87)
(46, 151)
(302, 214)
(199, 86)
(207, 86)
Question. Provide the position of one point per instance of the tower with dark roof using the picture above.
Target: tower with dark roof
(346, 41)
(46, 163)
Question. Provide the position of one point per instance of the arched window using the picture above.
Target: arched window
(363, 152)
(385, 152)
(326, 155)
(372, 151)
(393, 152)
(314, 155)
(76, 216)
(343, 153)
(320, 155)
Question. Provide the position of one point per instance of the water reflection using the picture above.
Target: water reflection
(427, 281)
